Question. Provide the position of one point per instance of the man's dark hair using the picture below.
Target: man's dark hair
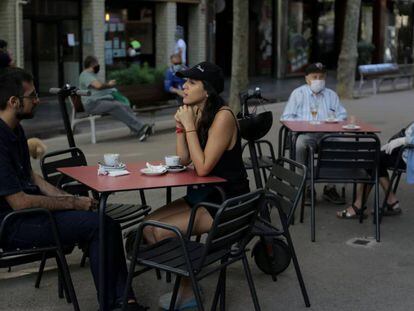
(19, 73)
(5, 59)
(10, 85)
(3, 44)
(89, 61)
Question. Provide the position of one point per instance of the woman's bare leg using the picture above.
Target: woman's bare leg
(202, 224)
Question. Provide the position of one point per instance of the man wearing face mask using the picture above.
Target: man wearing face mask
(102, 100)
(305, 98)
(172, 83)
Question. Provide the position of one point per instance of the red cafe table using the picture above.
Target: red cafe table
(293, 129)
(106, 185)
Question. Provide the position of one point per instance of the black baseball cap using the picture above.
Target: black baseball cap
(315, 68)
(205, 71)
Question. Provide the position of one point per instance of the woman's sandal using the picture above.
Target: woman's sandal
(392, 209)
(346, 215)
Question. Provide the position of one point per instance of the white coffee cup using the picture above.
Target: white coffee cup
(111, 159)
(172, 160)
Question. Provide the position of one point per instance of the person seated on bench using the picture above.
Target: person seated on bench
(102, 101)
(314, 94)
(172, 83)
(208, 136)
(388, 157)
(21, 188)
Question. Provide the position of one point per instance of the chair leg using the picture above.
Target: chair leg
(158, 274)
(93, 132)
(196, 291)
(364, 198)
(67, 280)
(297, 268)
(40, 272)
(313, 234)
(218, 291)
(83, 260)
(302, 206)
(168, 277)
(223, 292)
(376, 213)
(60, 285)
(175, 293)
(251, 283)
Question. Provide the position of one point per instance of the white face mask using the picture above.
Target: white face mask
(132, 53)
(317, 85)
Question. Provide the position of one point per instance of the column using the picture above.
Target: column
(197, 33)
(166, 21)
(93, 28)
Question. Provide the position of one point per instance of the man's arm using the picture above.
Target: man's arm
(291, 108)
(21, 200)
(98, 85)
(46, 188)
(340, 110)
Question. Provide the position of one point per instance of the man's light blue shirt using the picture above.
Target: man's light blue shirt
(302, 99)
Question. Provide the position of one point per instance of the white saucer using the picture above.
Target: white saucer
(176, 170)
(147, 171)
(120, 166)
(332, 120)
(351, 127)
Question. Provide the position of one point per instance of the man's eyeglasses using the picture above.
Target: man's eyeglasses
(33, 96)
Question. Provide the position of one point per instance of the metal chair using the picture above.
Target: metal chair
(9, 258)
(225, 245)
(283, 191)
(345, 158)
(127, 215)
(397, 171)
(265, 158)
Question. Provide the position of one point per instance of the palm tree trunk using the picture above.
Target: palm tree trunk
(348, 57)
(240, 45)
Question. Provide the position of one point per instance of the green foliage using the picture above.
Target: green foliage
(137, 74)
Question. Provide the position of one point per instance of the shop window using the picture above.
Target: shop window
(123, 26)
(62, 8)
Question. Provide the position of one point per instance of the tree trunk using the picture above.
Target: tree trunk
(240, 45)
(348, 57)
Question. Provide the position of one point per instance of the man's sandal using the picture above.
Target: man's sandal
(346, 215)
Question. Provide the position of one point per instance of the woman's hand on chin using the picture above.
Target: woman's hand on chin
(186, 116)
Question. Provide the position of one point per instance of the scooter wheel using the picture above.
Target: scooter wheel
(263, 254)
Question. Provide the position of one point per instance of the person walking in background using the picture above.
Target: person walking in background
(172, 83)
(180, 45)
(102, 100)
(310, 97)
(134, 52)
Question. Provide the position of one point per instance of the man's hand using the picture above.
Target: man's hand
(395, 143)
(85, 203)
(112, 83)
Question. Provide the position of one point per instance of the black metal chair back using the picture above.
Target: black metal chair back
(351, 152)
(286, 181)
(233, 222)
(13, 257)
(346, 158)
(50, 162)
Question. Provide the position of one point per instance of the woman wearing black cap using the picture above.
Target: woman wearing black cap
(207, 136)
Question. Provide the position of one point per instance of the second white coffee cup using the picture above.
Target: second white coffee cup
(172, 160)
(111, 159)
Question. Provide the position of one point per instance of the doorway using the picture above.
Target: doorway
(53, 52)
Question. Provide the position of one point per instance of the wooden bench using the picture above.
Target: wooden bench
(149, 98)
(379, 73)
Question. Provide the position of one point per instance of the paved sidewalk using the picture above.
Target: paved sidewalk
(338, 276)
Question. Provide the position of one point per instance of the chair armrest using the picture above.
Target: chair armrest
(194, 213)
(28, 212)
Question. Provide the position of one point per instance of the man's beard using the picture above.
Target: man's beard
(20, 115)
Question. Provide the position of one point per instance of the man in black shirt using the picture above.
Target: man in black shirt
(21, 188)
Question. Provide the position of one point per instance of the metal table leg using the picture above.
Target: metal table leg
(102, 260)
